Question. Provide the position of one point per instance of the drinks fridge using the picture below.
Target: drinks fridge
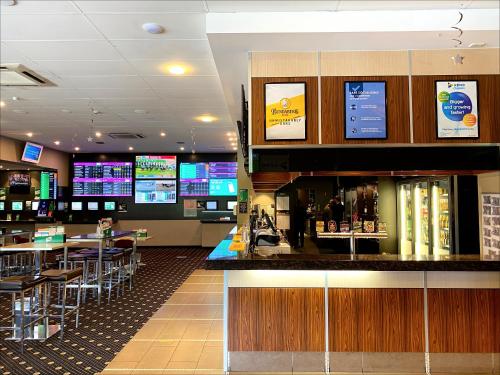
(424, 216)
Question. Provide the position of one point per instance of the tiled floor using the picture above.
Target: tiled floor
(184, 336)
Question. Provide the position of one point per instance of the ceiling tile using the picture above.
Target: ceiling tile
(118, 93)
(107, 82)
(87, 68)
(142, 6)
(39, 7)
(129, 26)
(164, 49)
(46, 27)
(225, 6)
(179, 83)
(66, 50)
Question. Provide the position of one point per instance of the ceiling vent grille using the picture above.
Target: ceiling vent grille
(125, 136)
(19, 75)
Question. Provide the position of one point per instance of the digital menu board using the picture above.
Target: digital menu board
(156, 191)
(226, 169)
(223, 187)
(106, 179)
(193, 180)
(155, 166)
(365, 110)
(48, 185)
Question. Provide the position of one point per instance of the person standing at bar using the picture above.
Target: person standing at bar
(299, 221)
(337, 211)
(327, 215)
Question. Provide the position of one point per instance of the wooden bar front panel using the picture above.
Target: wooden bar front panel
(332, 110)
(424, 108)
(464, 320)
(376, 320)
(276, 319)
(258, 110)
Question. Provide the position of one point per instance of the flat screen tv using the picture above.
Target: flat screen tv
(212, 205)
(92, 206)
(19, 183)
(48, 185)
(60, 206)
(365, 110)
(156, 191)
(2, 206)
(155, 167)
(32, 152)
(193, 180)
(76, 206)
(102, 179)
(109, 206)
(17, 206)
(230, 205)
(46, 208)
(224, 187)
(34, 205)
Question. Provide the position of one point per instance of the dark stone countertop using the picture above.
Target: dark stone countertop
(224, 259)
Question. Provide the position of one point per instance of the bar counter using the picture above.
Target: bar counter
(359, 313)
(224, 259)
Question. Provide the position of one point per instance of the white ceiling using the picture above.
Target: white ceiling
(99, 57)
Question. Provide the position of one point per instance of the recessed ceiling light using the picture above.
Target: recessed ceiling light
(57, 143)
(153, 28)
(181, 148)
(130, 148)
(163, 134)
(177, 70)
(77, 148)
(29, 134)
(98, 134)
(206, 118)
(233, 144)
(228, 134)
(2, 104)
(235, 148)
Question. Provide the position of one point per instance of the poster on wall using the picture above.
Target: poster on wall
(190, 207)
(365, 110)
(285, 112)
(491, 223)
(457, 112)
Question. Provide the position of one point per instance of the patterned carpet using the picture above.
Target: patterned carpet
(106, 328)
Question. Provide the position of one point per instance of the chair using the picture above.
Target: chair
(20, 285)
(68, 278)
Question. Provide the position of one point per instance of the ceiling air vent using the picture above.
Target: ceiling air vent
(125, 136)
(19, 75)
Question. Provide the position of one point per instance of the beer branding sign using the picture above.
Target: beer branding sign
(285, 117)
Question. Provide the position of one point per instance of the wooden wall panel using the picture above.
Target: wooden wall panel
(464, 320)
(284, 64)
(424, 112)
(376, 320)
(332, 108)
(365, 63)
(276, 319)
(258, 110)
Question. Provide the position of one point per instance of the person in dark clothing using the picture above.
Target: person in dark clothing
(337, 211)
(299, 223)
(327, 215)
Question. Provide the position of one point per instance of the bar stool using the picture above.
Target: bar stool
(113, 266)
(126, 246)
(21, 285)
(69, 278)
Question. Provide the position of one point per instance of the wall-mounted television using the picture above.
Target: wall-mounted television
(102, 179)
(193, 180)
(19, 183)
(34, 205)
(230, 205)
(223, 187)
(156, 191)
(76, 206)
(48, 185)
(109, 206)
(2, 206)
(61, 206)
(365, 110)
(222, 169)
(212, 205)
(16, 206)
(32, 152)
(155, 167)
(46, 208)
(93, 206)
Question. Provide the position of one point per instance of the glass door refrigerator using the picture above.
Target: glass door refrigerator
(424, 212)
